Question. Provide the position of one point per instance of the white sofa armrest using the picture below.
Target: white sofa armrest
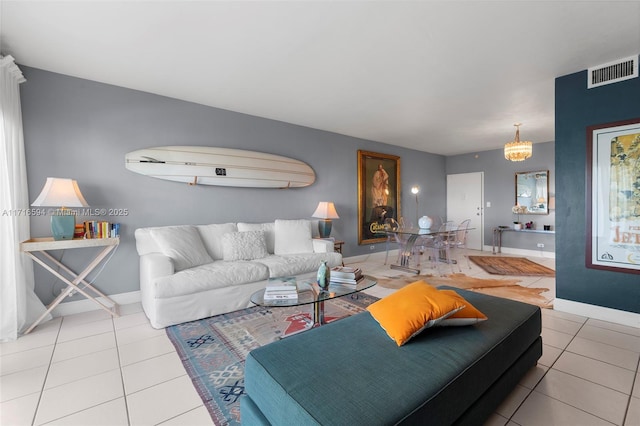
(154, 265)
(322, 246)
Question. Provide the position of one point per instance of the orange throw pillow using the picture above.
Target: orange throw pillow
(413, 308)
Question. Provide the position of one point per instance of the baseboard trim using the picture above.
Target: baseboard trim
(597, 312)
(393, 254)
(523, 252)
(86, 305)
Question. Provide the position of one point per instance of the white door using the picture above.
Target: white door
(464, 201)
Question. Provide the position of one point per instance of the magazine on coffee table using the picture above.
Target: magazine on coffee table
(278, 288)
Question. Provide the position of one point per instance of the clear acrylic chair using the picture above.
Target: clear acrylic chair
(446, 235)
(458, 241)
(433, 245)
(394, 238)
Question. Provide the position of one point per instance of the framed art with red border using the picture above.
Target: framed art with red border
(613, 196)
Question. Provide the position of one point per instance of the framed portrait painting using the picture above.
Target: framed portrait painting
(378, 194)
(613, 196)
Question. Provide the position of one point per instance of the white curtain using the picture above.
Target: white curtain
(19, 305)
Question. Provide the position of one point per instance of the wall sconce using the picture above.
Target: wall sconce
(325, 211)
(61, 193)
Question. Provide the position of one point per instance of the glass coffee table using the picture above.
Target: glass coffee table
(309, 293)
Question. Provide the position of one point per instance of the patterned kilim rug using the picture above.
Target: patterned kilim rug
(213, 350)
(511, 266)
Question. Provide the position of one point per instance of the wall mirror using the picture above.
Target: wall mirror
(532, 191)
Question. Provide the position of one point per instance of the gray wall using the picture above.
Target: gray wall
(499, 190)
(81, 129)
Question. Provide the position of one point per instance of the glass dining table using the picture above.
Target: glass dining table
(407, 238)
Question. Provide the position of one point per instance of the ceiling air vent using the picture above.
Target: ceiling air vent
(613, 72)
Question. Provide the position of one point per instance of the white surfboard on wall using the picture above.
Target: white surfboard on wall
(205, 165)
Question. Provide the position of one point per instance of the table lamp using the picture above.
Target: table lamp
(61, 193)
(325, 211)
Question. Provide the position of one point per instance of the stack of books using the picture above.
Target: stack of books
(346, 275)
(281, 288)
(101, 229)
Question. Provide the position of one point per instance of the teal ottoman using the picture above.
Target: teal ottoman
(351, 373)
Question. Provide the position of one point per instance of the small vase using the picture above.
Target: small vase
(517, 226)
(425, 222)
(323, 276)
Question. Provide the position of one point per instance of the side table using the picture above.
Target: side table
(37, 249)
(337, 246)
(497, 235)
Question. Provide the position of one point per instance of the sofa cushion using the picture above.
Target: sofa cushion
(407, 312)
(182, 244)
(244, 245)
(293, 236)
(296, 264)
(268, 228)
(213, 275)
(212, 237)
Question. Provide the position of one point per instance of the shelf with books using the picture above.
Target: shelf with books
(99, 229)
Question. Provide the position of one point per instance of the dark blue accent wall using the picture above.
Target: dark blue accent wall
(576, 108)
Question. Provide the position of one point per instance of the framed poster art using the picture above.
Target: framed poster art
(378, 195)
(613, 196)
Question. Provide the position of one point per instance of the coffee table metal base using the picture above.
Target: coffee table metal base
(309, 294)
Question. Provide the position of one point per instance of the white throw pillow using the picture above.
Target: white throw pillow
(269, 232)
(244, 245)
(212, 237)
(183, 245)
(293, 236)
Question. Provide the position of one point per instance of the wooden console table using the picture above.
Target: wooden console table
(37, 249)
(497, 235)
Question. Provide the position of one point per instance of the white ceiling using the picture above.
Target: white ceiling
(446, 77)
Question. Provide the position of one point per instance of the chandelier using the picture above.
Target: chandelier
(517, 150)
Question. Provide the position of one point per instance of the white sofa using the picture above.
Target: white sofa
(189, 272)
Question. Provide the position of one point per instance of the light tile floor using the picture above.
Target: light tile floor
(89, 369)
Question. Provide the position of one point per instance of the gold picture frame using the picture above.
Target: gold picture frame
(378, 194)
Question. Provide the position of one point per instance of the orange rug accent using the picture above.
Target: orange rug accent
(498, 265)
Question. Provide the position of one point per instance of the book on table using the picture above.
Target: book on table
(281, 288)
(346, 281)
(346, 272)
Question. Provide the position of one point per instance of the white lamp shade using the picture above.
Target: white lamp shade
(58, 192)
(326, 210)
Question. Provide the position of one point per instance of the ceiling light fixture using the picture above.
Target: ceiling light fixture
(517, 150)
